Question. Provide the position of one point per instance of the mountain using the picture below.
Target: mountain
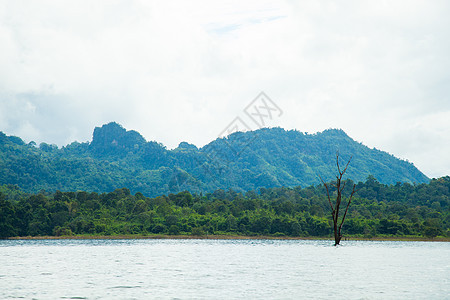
(268, 157)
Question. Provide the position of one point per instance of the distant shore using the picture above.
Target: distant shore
(223, 237)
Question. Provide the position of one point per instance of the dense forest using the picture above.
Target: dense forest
(376, 210)
(243, 161)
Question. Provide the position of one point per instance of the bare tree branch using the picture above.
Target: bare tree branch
(346, 166)
(337, 162)
(348, 205)
(328, 193)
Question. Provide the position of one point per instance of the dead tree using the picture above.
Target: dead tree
(339, 185)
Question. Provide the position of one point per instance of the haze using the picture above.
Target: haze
(182, 71)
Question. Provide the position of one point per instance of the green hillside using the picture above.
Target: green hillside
(117, 158)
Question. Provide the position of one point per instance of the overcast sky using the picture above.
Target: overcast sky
(183, 70)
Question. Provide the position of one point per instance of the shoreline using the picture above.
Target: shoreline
(222, 237)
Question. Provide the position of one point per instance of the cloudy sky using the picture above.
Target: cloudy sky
(183, 70)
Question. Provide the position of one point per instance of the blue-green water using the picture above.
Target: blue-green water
(223, 269)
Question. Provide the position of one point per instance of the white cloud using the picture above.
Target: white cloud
(177, 70)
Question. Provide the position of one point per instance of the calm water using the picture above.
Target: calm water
(230, 269)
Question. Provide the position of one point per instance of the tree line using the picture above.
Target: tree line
(377, 210)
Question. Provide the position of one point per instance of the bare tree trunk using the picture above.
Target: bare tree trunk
(337, 236)
(339, 185)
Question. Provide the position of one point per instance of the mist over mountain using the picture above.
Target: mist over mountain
(268, 157)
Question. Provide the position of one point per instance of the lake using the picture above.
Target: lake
(223, 269)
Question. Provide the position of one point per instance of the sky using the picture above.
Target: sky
(186, 70)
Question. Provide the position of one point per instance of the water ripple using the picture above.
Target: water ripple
(228, 269)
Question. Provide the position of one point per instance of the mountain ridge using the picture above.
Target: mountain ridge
(267, 157)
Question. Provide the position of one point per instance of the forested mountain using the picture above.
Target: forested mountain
(243, 161)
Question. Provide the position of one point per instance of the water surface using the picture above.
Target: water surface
(223, 269)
